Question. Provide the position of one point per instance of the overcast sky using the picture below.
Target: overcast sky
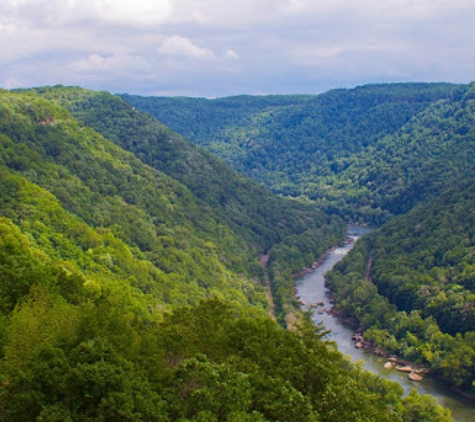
(222, 47)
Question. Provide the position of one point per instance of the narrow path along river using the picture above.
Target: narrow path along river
(311, 289)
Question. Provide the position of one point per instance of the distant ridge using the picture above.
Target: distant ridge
(304, 145)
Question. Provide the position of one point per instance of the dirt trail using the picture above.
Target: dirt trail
(369, 266)
(263, 260)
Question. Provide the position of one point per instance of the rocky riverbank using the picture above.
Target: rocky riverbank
(414, 371)
(311, 289)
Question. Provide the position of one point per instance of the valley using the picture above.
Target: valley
(397, 156)
(130, 280)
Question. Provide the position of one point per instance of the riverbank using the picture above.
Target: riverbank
(414, 370)
(310, 289)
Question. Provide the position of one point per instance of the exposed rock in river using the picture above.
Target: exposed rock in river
(414, 377)
(404, 368)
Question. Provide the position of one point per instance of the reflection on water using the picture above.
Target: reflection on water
(311, 289)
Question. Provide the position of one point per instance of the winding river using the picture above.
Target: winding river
(311, 289)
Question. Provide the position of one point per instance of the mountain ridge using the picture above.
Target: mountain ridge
(305, 149)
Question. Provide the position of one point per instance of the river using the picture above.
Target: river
(311, 289)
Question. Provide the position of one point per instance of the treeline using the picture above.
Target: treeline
(420, 300)
(71, 353)
(75, 349)
(123, 296)
(334, 148)
(202, 120)
(86, 201)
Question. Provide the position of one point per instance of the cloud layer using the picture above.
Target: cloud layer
(216, 47)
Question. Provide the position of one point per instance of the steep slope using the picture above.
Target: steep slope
(433, 151)
(411, 285)
(65, 183)
(97, 253)
(207, 121)
(255, 212)
(302, 145)
(293, 234)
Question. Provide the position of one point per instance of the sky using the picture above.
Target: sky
(215, 48)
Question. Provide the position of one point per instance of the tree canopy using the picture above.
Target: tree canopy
(336, 148)
(125, 295)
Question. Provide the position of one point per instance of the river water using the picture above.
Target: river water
(311, 289)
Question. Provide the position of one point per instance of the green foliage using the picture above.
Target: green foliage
(342, 149)
(101, 210)
(272, 225)
(235, 367)
(124, 296)
(248, 209)
(420, 301)
(423, 410)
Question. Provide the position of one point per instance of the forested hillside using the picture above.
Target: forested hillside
(259, 216)
(125, 296)
(307, 145)
(291, 233)
(410, 284)
(432, 152)
(368, 154)
(417, 299)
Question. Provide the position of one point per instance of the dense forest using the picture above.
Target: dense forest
(130, 284)
(318, 147)
(292, 234)
(417, 299)
(397, 156)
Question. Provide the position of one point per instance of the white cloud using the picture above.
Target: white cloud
(62, 12)
(36, 12)
(178, 46)
(231, 54)
(375, 8)
(133, 11)
(119, 63)
(225, 13)
(216, 12)
(248, 12)
(221, 47)
(292, 6)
